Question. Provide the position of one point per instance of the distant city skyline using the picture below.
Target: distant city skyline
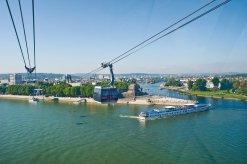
(76, 36)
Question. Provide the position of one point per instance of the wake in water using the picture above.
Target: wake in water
(125, 116)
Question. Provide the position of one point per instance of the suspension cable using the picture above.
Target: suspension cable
(34, 48)
(23, 26)
(100, 68)
(95, 70)
(16, 32)
(188, 22)
(163, 30)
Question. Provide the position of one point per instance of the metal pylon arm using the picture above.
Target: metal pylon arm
(30, 70)
(104, 65)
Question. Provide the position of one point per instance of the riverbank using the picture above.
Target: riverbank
(141, 100)
(215, 94)
(173, 88)
(155, 100)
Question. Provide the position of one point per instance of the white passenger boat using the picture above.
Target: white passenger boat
(173, 111)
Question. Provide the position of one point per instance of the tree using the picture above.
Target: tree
(200, 85)
(86, 90)
(2, 89)
(235, 84)
(243, 84)
(225, 84)
(173, 82)
(122, 85)
(20, 89)
(89, 90)
(216, 81)
(243, 91)
(190, 84)
(67, 91)
(75, 91)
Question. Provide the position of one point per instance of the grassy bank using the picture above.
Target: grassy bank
(216, 94)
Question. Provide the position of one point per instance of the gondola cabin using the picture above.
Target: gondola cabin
(105, 94)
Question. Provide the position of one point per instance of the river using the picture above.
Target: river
(68, 133)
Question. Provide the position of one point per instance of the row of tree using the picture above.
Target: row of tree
(17, 89)
(61, 89)
(224, 84)
(66, 90)
(200, 84)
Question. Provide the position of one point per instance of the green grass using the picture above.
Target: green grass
(216, 94)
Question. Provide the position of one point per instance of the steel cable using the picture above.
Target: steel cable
(126, 54)
(16, 32)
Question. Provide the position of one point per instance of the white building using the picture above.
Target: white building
(4, 82)
(75, 84)
(15, 79)
(209, 84)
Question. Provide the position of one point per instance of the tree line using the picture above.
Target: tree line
(236, 86)
(17, 89)
(62, 89)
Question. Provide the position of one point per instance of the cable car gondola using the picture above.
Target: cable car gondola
(106, 94)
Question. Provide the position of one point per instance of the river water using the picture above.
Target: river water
(67, 133)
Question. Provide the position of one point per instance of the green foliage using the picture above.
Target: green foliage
(122, 85)
(242, 91)
(75, 91)
(86, 90)
(2, 89)
(66, 90)
(229, 89)
(49, 89)
(103, 83)
(217, 94)
(173, 82)
(240, 87)
(20, 89)
(216, 81)
(235, 84)
(190, 84)
(118, 84)
(200, 85)
(225, 84)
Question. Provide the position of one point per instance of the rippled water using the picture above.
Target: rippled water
(67, 133)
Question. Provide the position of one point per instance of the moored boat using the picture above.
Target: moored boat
(33, 100)
(173, 111)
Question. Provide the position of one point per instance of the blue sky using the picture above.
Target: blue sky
(76, 36)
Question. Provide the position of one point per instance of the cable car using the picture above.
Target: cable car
(106, 94)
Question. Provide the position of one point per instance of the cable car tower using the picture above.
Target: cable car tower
(106, 94)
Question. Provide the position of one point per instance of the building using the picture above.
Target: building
(4, 82)
(209, 84)
(15, 79)
(75, 84)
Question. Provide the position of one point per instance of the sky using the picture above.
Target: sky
(76, 36)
